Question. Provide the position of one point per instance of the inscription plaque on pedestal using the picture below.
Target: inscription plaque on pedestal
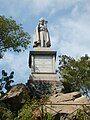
(44, 64)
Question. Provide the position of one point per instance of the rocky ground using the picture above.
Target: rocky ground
(56, 104)
(66, 103)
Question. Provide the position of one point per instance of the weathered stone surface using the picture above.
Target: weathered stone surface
(16, 97)
(44, 64)
(45, 77)
(15, 91)
(42, 49)
(42, 60)
(64, 97)
(37, 114)
(69, 103)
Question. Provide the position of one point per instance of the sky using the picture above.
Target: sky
(68, 24)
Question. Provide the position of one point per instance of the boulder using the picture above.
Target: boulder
(16, 97)
(66, 103)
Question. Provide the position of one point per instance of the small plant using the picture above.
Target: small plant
(83, 114)
(39, 89)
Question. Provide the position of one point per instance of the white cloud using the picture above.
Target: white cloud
(35, 7)
(71, 34)
(17, 63)
(73, 47)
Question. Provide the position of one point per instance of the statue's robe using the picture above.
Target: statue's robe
(42, 38)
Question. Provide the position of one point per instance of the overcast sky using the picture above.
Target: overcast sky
(68, 24)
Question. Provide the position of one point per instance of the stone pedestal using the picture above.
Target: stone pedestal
(42, 63)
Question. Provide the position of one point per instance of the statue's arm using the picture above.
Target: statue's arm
(37, 34)
(48, 42)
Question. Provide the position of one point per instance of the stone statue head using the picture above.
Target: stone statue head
(42, 21)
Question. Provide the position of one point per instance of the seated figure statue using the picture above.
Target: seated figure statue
(42, 35)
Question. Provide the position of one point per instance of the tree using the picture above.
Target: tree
(75, 74)
(5, 81)
(12, 36)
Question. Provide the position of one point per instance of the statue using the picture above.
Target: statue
(42, 35)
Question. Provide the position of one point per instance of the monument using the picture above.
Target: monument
(42, 59)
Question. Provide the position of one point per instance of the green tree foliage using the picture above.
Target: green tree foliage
(5, 81)
(75, 74)
(32, 110)
(12, 35)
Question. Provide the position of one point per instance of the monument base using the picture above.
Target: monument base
(42, 60)
(48, 77)
(42, 63)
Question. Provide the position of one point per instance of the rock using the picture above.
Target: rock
(64, 97)
(77, 95)
(16, 97)
(37, 115)
(66, 103)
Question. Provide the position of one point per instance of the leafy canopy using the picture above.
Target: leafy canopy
(12, 35)
(75, 74)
